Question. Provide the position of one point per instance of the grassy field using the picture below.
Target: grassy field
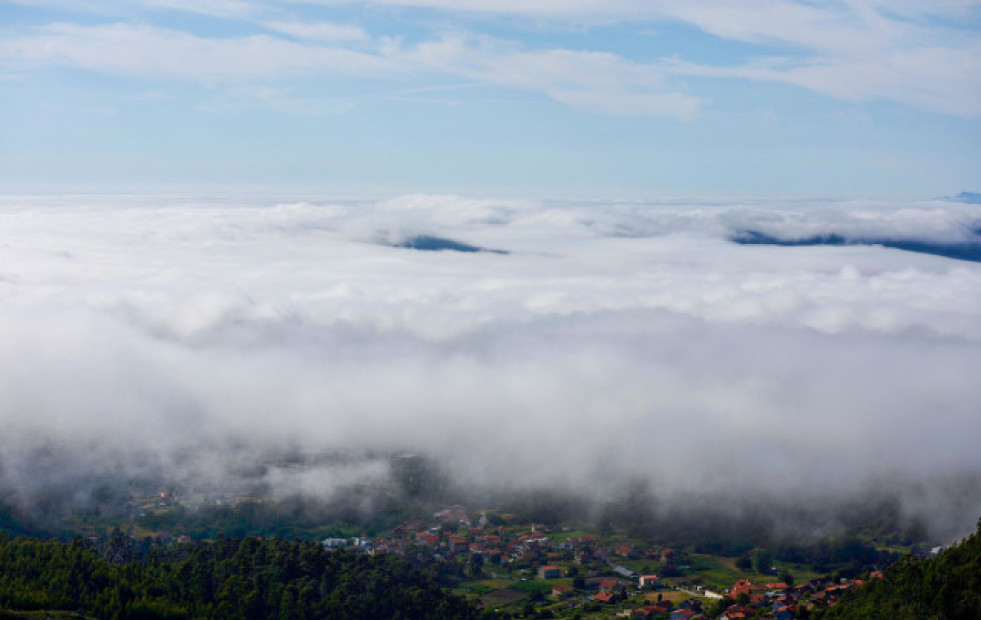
(472, 588)
(561, 537)
(545, 587)
(668, 595)
(719, 573)
(501, 598)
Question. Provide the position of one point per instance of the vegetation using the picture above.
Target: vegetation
(945, 587)
(230, 578)
(421, 572)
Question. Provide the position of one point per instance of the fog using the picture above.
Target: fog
(522, 345)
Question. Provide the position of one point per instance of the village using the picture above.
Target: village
(530, 570)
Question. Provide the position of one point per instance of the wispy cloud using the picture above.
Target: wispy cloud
(593, 81)
(854, 51)
(589, 80)
(939, 79)
(149, 52)
(320, 31)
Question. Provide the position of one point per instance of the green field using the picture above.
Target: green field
(501, 598)
(561, 537)
(545, 587)
(718, 573)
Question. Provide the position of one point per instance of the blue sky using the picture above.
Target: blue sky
(502, 97)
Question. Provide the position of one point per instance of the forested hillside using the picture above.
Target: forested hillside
(228, 579)
(946, 587)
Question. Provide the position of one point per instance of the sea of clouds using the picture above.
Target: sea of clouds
(599, 341)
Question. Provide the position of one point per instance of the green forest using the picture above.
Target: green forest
(946, 587)
(228, 579)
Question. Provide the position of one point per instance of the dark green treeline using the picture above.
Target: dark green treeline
(229, 579)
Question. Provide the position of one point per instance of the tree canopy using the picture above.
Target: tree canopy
(946, 587)
(230, 578)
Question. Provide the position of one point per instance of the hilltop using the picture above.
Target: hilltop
(947, 586)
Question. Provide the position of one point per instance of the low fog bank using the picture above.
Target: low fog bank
(377, 492)
(612, 360)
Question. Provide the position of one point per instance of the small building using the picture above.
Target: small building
(784, 613)
(549, 572)
(779, 586)
(605, 597)
(745, 587)
(664, 607)
(333, 543)
(561, 591)
(646, 581)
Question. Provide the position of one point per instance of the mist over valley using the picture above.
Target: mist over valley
(590, 358)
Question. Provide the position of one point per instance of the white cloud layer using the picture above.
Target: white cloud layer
(612, 340)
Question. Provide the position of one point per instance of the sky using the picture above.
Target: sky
(544, 98)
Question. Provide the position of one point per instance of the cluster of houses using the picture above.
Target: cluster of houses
(453, 533)
(782, 600)
(776, 600)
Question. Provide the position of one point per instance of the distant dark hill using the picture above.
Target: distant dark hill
(960, 251)
(430, 243)
(972, 198)
(947, 587)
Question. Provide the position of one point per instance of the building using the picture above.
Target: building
(649, 581)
